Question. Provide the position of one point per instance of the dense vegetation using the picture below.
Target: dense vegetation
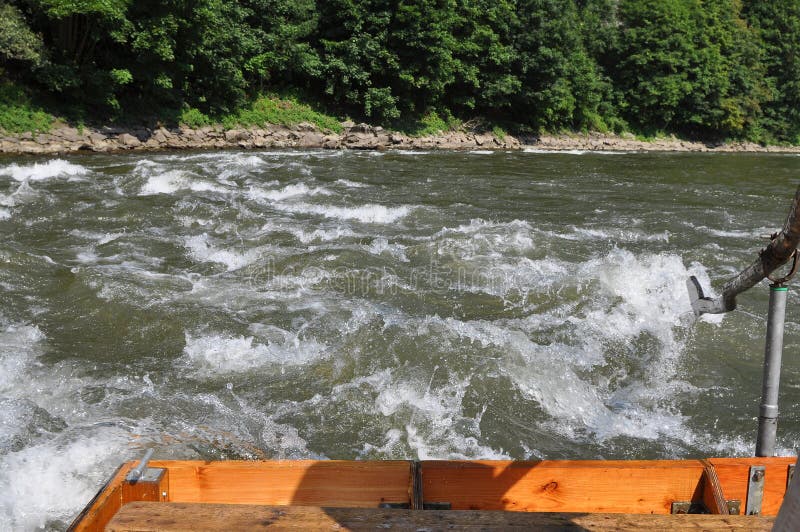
(712, 69)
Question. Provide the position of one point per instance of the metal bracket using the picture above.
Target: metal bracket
(689, 507)
(136, 473)
(394, 506)
(437, 506)
(734, 506)
(789, 475)
(755, 490)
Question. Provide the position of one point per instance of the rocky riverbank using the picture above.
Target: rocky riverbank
(353, 136)
(65, 139)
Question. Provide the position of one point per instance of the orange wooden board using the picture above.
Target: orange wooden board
(184, 517)
(290, 482)
(733, 475)
(563, 486)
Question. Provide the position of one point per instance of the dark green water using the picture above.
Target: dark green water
(376, 305)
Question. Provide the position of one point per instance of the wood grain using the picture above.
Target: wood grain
(182, 517)
(563, 486)
(290, 482)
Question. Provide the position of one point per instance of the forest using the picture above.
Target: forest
(700, 69)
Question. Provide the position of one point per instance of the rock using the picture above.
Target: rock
(360, 141)
(69, 134)
(305, 126)
(129, 141)
(236, 135)
(347, 124)
(158, 137)
(95, 138)
(332, 142)
(310, 140)
(396, 138)
(361, 128)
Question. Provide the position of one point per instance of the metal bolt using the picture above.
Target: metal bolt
(758, 476)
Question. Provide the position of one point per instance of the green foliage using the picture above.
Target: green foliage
(193, 118)
(17, 41)
(705, 68)
(18, 114)
(121, 76)
(285, 112)
(499, 132)
(431, 123)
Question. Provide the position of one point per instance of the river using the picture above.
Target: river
(371, 305)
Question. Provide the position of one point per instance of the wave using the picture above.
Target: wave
(211, 354)
(55, 168)
(367, 213)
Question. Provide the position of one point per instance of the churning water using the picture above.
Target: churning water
(310, 304)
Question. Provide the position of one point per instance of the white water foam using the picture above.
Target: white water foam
(553, 151)
(381, 245)
(220, 353)
(55, 168)
(20, 344)
(175, 180)
(49, 481)
(201, 249)
(367, 213)
(307, 237)
(289, 191)
(350, 184)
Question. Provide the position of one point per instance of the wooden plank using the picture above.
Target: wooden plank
(290, 482)
(105, 504)
(563, 486)
(733, 476)
(182, 517)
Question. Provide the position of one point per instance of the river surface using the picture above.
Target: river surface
(328, 304)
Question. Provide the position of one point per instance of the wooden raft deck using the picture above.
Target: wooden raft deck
(185, 517)
(593, 495)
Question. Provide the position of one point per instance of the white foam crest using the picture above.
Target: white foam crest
(99, 238)
(350, 184)
(613, 234)
(652, 289)
(521, 277)
(481, 238)
(367, 213)
(477, 225)
(437, 428)
(220, 353)
(381, 245)
(289, 191)
(174, 180)
(547, 375)
(307, 237)
(730, 233)
(19, 345)
(49, 481)
(200, 249)
(481, 152)
(555, 151)
(54, 168)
